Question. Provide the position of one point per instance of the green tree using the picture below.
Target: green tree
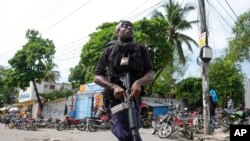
(151, 33)
(50, 75)
(227, 79)
(56, 94)
(175, 16)
(83, 72)
(190, 90)
(29, 63)
(239, 44)
(165, 84)
(8, 92)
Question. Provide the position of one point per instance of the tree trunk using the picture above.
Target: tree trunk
(38, 96)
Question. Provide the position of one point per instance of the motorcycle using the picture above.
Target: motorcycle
(158, 122)
(27, 124)
(146, 122)
(71, 123)
(55, 123)
(99, 123)
(176, 123)
(43, 123)
(233, 118)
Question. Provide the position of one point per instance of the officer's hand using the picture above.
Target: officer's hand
(135, 90)
(118, 91)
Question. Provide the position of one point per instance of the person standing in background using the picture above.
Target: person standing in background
(213, 97)
(230, 104)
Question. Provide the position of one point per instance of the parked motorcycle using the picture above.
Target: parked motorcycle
(43, 123)
(99, 123)
(71, 123)
(176, 123)
(55, 123)
(158, 122)
(233, 118)
(146, 122)
(27, 124)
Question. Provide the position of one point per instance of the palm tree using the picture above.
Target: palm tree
(174, 15)
(50, 75)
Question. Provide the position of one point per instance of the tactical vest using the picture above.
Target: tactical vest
(135, 65)
(114, 69)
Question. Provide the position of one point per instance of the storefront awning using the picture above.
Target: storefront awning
(3, 109)
(25, 103)
(145, 103)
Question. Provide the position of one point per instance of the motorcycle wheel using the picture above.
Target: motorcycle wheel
(82, 126)
(188, 133)
(34, 127)
(19, 126)
(224, 124)
(60, 127)
(153, 131)
(50, 125)
(165, 131)
(92, 126)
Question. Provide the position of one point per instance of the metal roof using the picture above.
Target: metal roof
(153, 104)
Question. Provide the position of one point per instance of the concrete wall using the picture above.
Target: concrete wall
(55, 108)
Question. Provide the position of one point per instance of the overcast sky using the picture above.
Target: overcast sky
(69, 22)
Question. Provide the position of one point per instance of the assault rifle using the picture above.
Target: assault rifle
(128, 104)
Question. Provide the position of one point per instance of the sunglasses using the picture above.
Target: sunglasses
(126, 25)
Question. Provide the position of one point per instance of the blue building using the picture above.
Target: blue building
(157, 108)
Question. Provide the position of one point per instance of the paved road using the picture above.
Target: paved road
(7, 134)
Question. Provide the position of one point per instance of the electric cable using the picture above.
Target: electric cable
(65, 17)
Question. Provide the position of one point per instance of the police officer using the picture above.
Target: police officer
(111, 65)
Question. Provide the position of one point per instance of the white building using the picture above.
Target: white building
(29, 94)
(27, 98)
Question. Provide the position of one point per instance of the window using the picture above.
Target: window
(52, 87)
(45, 86)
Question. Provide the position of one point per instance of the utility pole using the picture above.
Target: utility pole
(206, 56)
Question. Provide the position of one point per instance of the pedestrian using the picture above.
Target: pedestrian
(7, 119)
(100, 111)
(120, 56)
(212, 105)
(230, 104)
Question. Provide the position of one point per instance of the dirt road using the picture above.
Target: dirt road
(7, 134)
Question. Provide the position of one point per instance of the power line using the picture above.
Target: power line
(209, 18)
(219, 14)
(72, 50)
(49, 12)
(73, 42)
(24, 19)
(219, 17)
(67, 59)
(142, 12)
(19, 33)
(237, 18)
(231, 9)
(9, 41)
(226, 10)
(136, 9)
(65, 17)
